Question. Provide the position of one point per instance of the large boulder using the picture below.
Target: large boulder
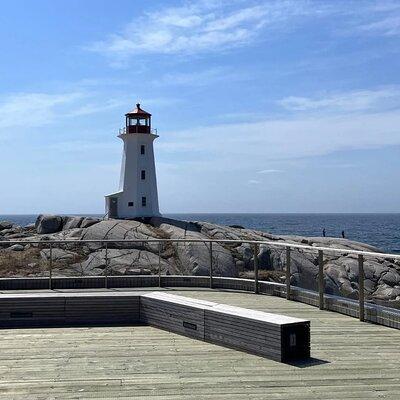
(5, 225)
(121, 229)
(122, 262)
(48, 224)
(60, 255)
(71, 222)
(11, 231)
(193, 258)
(391, 277)
(29, 227)
(89, 221)
(386, 292)
(17, 247)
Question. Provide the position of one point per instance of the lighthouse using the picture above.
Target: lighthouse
(137, 194)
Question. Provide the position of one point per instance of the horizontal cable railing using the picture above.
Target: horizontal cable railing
(267, 242)
(254, 244)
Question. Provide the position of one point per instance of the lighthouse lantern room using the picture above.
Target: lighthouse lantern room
(137, 194)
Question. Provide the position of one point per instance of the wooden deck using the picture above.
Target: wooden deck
(352, 360)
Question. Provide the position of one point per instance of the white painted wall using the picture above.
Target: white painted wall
(131, 187)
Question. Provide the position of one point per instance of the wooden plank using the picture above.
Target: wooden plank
(178, 315)
(100, 309)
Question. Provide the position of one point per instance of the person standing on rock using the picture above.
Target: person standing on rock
(323, 232)
(343, 235)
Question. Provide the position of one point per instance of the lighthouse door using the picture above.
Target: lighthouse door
(113, 210)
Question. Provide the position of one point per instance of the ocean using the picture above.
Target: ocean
(380, 230)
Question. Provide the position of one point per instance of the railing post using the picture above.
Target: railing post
(106, 269)
(255, 255)
(321, 288)
(287, 273)
(211, 266)
(361, 308)
(159, 264)
(51, 268)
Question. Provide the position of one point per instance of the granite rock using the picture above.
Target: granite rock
(17, 247)
(58, 255)
(48, 224)
(71, 222)
(382, 276)
(5, 225)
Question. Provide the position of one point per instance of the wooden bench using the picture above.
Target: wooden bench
(277, 337)
(74, 308)
(274, 336)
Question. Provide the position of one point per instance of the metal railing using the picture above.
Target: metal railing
(255, 245)
(122, 131)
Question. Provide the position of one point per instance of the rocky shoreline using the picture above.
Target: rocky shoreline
(382, 276)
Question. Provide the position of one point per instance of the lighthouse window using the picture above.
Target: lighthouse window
(144, 200)
(130, 204)
(143, 174)
(137, 121)
(142, 149)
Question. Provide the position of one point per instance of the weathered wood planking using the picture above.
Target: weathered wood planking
(174, 313)
(53, 309)
(276, 338)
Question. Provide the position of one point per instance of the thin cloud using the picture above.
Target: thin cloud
(41, 108)
(81, 146)
(200, 78)
(269, 171)
(358, 100)
(333, 125)
(387, 27)
(200, 27)
(284, 139)
(381, 18)
(340, 166)
(47, 108)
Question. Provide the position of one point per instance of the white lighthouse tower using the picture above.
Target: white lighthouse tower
(137, 194)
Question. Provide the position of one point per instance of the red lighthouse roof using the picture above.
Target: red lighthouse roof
(138, 111)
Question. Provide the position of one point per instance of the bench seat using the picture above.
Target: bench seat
(74, 308)
(278, 337)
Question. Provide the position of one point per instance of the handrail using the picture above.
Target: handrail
(255, 245)
(271, 243)
(122, 131)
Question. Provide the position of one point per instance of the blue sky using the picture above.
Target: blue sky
(261, 106)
